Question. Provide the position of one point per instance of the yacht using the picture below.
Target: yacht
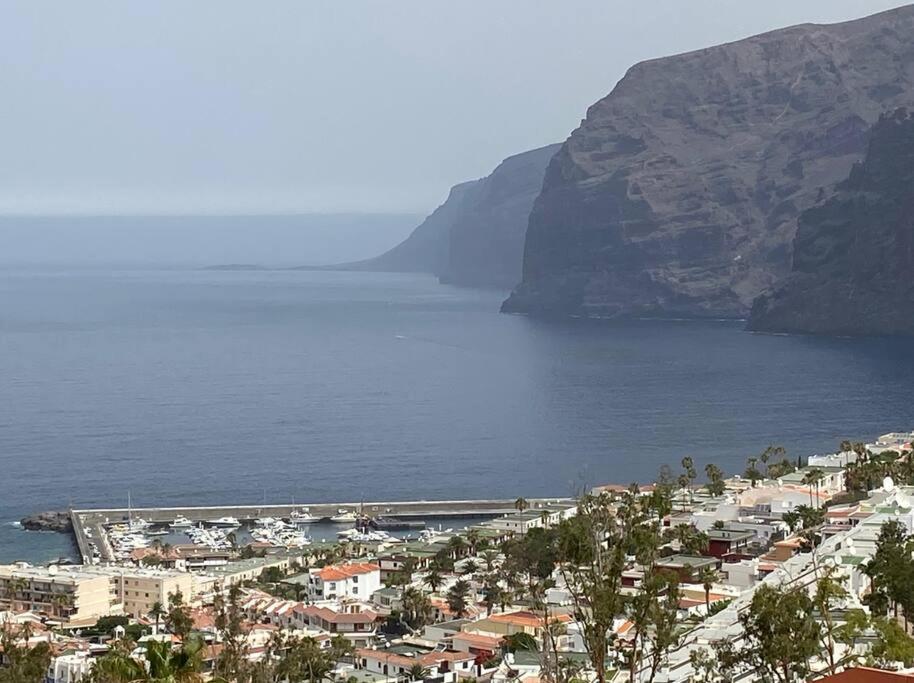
(225, 522)
(302, 516)
(157, 532)
(344, 516)
(181, 522)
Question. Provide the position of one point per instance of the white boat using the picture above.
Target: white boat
(157, 532)
(344, 516)
(225, 522)
(181, 522)
(302, 516)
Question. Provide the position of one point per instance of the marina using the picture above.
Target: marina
(114, 534)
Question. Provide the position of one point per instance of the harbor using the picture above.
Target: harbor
(106, 535)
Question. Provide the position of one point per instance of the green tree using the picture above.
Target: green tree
(593, 548)
(417, 672)
(169, 665)
(117, 666)
(457, 597)
(688, 466)
(715, 475)
(433, 579)
(469, 567)
(781, 636)
(303, 660)
(707, 576)
(416, 607)
(232, 664)
(792, 519)
(520, 642)
(892, 645)
(521, 504)
(177, 618)
(752, 472)
(157, 611)
(22, 663)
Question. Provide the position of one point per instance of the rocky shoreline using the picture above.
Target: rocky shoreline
(48, 521)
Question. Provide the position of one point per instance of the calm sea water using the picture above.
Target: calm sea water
(214, 387)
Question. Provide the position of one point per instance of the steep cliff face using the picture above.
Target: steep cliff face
(486, 241)
(426, 250)
(853, 262)
(680, 191)
(476, 238)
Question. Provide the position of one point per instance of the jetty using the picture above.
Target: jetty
(94, 521)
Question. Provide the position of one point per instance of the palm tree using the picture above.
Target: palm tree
(117, 667)
(792, 519)
(473, 540)
(521, 504)
(457, 597)
(469, 567)
(689, 466)
(417, 672)
(16, 586)
(707, 575)
(489, 557)
(157, 611)
(434, 579)
(416, 606)
(167, 665)
(457, 545)
(812, 479)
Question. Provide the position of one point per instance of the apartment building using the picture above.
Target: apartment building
(68, 594)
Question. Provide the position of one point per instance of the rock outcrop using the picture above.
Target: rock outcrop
(680, 191)
(48, 521)
(853, 257)
(476, 238)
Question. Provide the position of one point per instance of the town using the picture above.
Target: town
(789, 570)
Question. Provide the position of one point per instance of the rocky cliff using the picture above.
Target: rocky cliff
(426, 249)
(476, 238)
(853, 260)
(679, 193)
(486, 241)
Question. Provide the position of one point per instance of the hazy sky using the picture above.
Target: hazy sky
(303, 105)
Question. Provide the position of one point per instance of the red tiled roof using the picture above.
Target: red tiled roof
(339, 572)
(334, 617)
(866, 675)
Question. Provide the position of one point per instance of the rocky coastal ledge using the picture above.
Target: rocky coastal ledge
(48, 521)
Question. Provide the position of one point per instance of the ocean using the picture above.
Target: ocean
(187, 386)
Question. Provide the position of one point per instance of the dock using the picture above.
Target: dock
(93, 520)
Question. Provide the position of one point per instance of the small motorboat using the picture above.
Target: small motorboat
(344, 516)
(181, 522)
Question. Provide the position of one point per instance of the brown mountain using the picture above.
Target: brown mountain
(680, 191)
(853, 261)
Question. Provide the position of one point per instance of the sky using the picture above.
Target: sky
(288, 106)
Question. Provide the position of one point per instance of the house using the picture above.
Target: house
(685, 567)
(522, 621)
(399, 660)
(357, 580)
(353, 622)
(480, 645)
(724, 542)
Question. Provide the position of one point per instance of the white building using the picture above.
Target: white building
(357, 580)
